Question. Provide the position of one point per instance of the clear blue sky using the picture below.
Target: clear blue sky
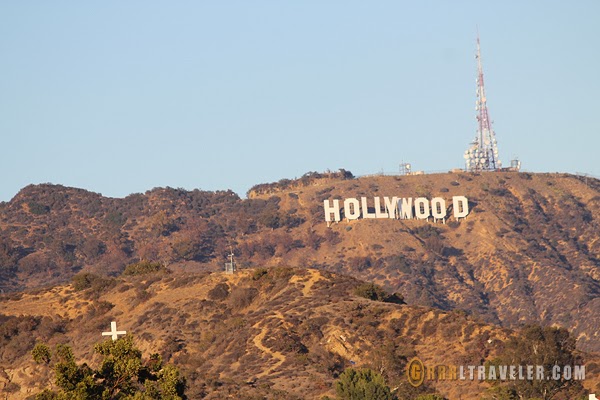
(120, 97)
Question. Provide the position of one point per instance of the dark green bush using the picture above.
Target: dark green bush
(371, 291)
(37, 208)
(143, 268)
(363, 384)
(41, 353)
(122, 374)
(374, 292)
(87, 280)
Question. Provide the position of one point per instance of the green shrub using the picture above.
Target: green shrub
(41, 353)
(143, 268)
(87, 280)
(375, 292)
(370, 291)
(363, 384)
(115, 219)
(122, 374)
(37, 208)
(537, 345)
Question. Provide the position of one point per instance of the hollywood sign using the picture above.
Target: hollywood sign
(395, 208)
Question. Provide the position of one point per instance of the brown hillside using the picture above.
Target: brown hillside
(279, 333)
(528, 252)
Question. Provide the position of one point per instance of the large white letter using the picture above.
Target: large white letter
(329, 209)
(378, 212)
(365, 208)
(391, 206)
(422, 208)
(406, 208)
(355, 214)
(460, 204)
(438, 208)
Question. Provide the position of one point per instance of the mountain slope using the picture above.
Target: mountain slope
(275, 333)
(529, 251)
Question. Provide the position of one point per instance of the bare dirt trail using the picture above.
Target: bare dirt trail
(315, 276)
(274, 354)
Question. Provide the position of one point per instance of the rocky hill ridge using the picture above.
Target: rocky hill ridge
(529, 250)
(276, 333)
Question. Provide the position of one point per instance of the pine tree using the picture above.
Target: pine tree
(121, 375)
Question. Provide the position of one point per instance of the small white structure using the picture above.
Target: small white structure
(113, 331)
(405, 168)
(230, 266)
(515, 165)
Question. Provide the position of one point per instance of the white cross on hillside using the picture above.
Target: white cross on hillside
(113, 331)
(593, 397)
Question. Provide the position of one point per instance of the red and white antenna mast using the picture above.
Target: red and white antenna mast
(482, 155)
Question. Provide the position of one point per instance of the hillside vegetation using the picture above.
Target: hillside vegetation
(277, 333)
(529, 252)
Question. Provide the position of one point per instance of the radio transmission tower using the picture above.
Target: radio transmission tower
(482, 155)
